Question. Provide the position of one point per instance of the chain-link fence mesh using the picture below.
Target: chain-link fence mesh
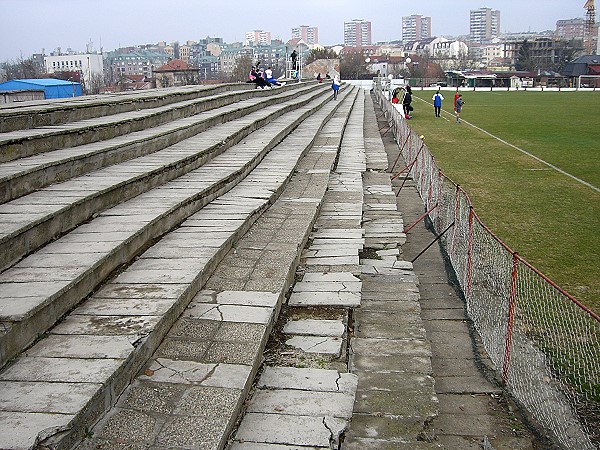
(544, 344)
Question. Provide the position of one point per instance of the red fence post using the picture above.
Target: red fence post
(456, 203)
(440, 195)
(511, 318)
(470, 255)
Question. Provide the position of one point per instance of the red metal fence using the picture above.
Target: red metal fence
(543, 342)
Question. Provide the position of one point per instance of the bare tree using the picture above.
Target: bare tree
(96, 84)
(323, 53)
(18, 69)
(353, 66)
(243, 64)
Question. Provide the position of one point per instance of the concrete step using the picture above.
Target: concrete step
(35, 293)
(26, 142)
(34, 114)
(33, 220)
(101, 345)
(209, 358)
(24, 175)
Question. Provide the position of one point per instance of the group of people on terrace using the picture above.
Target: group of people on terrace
(263, 79)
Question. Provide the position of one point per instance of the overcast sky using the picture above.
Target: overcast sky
(30, 26)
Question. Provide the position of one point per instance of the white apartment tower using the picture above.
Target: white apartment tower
(357, 33)
(484, 24)
(258, 37)
(309, 35)
(415, 28)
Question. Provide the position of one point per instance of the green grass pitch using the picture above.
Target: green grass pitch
(549, 218)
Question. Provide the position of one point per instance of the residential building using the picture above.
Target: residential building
(415, 28)
(88, 65)
(584, 71)
(444, 48)
(544, 53)
(366, 50)
(258, 37)
(491, 52)
(310, 35)
(142, 62)
(186, 51)
(176, 73)
(208, 67)
(484, 24)
(229, 56)
(214, 48)
(273, 56)
(357, 33)
(570, 28)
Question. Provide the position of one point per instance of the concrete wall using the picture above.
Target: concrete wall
(322, 66)
(20, 96)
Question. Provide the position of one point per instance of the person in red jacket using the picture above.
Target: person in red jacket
(456, 98)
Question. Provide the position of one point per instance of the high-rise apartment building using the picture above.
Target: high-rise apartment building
(258, 37)
(570, 28)
(484, 24)
(309, 35)
(415, 28)
(357, 33)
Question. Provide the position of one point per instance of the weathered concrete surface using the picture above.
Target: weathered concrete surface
(209, 358)
(415, 382)
(472, 408)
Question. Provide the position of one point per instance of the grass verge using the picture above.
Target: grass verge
(552, 220)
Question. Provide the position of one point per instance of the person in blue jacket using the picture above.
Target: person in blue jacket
(437, 103)
(335, 85)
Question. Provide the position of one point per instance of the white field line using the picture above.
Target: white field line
(525, 152)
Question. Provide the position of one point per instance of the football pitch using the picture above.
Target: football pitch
(530, 161)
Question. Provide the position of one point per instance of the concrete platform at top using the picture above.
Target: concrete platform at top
(25, 115)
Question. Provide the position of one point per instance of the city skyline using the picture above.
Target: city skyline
(108, 25)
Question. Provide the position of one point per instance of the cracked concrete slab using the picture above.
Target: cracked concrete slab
(349, 299)
(302, 403)
(230, 313)
(314, 327)
(317, 344)
(45, 397)
(290, 430)
(25, 428)
(162, 370)
(248, 298)
(330, 277)
(307, 379)
(328, 286)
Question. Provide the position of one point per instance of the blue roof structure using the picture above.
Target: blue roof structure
(52, 88)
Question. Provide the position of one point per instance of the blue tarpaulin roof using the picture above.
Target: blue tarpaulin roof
(52, 88)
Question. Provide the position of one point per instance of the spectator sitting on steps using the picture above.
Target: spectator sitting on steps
(269, 77)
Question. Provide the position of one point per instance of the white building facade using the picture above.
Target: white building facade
(357, 33)
(89, 65)
(484, 24)
(258, 37)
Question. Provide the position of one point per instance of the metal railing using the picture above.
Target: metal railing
(544, 343)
